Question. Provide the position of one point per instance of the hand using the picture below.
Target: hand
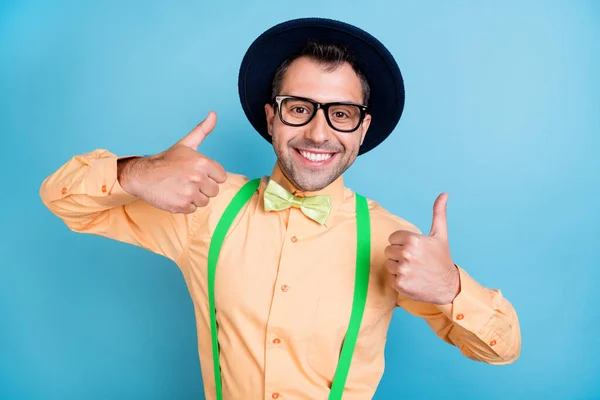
(179, 179)
(421, 265)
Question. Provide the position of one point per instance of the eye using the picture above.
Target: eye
(340, 115)
(300, 110)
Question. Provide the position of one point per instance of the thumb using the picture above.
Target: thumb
(197, 135)
(439, 224)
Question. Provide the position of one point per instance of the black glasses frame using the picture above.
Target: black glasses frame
(325, 106)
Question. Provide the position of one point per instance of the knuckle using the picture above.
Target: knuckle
(182, 204)
(400, 283)
(414, 240)
(201, 163)
(188, 193)
(403, 271)
(196, 178)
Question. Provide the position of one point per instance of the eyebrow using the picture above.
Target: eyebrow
(324, 102)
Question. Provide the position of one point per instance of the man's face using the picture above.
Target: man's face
(336, 150)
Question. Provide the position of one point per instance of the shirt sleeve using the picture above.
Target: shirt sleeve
(480, 322)
(86, 195)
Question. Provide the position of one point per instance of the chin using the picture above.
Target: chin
(308, 182)
(309, 175)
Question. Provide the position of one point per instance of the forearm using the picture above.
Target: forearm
(83, 188)
(480, 322)
(87, 195)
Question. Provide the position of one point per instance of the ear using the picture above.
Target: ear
(365, 127)
(270, 113)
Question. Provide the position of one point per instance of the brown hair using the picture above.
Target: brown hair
(331, 56)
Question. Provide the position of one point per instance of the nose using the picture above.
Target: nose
(318, 129)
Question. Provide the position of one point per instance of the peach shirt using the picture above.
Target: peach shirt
(284, 283)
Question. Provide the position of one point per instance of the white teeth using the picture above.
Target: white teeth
(316, 157)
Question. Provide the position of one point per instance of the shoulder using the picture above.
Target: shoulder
(233, 183)
(384, 222)
(227, 190)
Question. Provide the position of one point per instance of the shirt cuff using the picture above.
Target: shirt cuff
(472, 308)
(102, 184)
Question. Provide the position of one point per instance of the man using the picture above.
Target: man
(283, 315)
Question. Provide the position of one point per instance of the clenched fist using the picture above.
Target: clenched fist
(421, 266)
(179, 179)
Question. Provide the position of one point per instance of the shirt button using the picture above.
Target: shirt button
(285, 288)
(275, 395)
(492, 343)
(104, 188)
(460, 316)
(294, 239)
(64, 190)
(276, 341)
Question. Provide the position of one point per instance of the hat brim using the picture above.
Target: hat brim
(274, 46)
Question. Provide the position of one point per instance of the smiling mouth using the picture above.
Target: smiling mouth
(313, 156)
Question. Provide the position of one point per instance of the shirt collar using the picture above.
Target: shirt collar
(335, 190)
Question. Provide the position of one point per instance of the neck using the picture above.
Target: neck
(290, 185)
(335, 189)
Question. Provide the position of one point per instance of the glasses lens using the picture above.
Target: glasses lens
(296, 111)
(344, 117)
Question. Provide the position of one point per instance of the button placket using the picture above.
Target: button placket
(276, 354)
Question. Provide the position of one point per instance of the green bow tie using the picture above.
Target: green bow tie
(315, 207)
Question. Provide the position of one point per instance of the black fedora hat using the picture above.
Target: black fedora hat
(274, 46)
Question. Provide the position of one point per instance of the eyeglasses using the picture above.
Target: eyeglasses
(299, 111)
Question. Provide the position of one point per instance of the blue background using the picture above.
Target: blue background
(502, 113)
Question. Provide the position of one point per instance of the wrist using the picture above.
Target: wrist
(127, 169)
(453, 284)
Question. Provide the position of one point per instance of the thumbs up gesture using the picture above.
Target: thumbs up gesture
(420, 265)
(179, 179)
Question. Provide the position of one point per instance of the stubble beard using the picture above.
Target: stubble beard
(303, 178)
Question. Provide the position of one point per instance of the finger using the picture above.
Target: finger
(209, 187)
(199, 133)
(199, 199)
(392, 252)
(401, 237)
(392, 266)
(216, 172)
(190, 208)
(399, 253)
(439, 224)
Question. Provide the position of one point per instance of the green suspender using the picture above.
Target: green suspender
(363, 256)
(361, 284)
(234, 207)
